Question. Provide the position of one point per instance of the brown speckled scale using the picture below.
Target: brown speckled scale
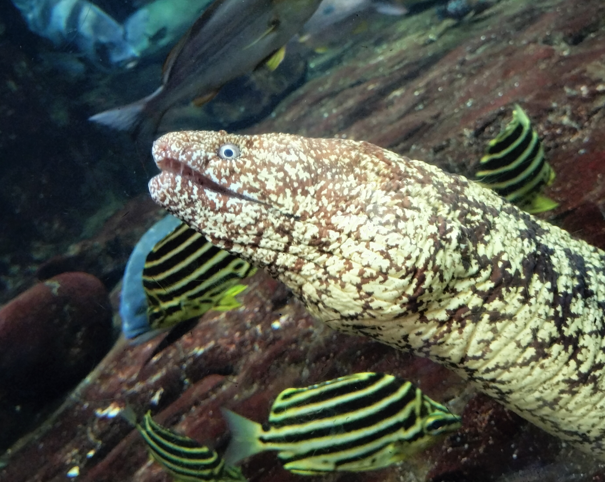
(396, 249)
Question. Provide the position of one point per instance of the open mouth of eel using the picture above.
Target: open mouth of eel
(177, 168)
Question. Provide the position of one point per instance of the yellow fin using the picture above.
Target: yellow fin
(540, 204)
(320, 50)
(276, 59)
(551, 176)
(228, 301)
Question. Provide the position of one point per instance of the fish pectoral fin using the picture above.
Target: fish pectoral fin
(276, 58)
(228, 301)
(306, 467)
(306, 472)
(540, 204)
(551, 177)
(204, 99)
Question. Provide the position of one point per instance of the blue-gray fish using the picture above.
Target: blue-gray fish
(94, 32)
(133, 300)
(231, 38)
(331, 12)
(359, 422)
(184, 458)
(514, 166)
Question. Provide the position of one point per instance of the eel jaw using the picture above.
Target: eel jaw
(176, 169)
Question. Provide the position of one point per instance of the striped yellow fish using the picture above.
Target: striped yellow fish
(360, 422)
(514, 166)
(184, 458)
(185, 276)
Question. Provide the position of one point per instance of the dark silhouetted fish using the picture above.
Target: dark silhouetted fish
(360, 422)
(231, 38)
(514, 166)
(331, 12)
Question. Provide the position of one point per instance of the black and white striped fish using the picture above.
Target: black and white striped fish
(360, 422)
(514, 166)
(94, 32)
(185, 276)
(184, 458)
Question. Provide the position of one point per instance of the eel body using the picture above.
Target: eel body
(377, 244)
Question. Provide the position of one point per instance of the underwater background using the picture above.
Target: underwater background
(431, 80)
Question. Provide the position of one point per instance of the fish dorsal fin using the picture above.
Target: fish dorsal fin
(276, 58)
(273, 24)
(195, 28)
(172, 56)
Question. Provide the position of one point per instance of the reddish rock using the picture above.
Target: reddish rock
(52, 335)
(491, 442)
(240, 359)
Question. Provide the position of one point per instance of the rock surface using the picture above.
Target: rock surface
(51, 336)
(429, 90)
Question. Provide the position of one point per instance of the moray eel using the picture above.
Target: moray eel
(381, 245)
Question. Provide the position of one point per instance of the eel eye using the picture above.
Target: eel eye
(228, 151)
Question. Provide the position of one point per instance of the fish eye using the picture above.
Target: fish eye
(228, 151)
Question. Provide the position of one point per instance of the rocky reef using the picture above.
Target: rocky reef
(429, 89)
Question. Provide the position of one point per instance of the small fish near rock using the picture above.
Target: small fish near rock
(359, 422)
(182, 457)
(231, 38)
(514, 166)
(428, 262)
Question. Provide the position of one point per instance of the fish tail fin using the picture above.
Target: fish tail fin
(129, 415)
(137, 118)
(123, 118)
(144, 337)
(244, 437)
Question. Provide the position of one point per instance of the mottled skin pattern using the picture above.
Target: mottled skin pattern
(396, 249)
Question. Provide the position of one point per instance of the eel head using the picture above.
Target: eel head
(271, 192)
